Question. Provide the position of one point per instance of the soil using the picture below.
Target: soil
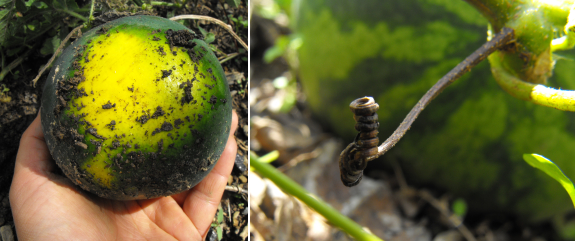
(17, 113)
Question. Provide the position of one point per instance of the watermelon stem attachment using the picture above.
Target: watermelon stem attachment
(354, 158)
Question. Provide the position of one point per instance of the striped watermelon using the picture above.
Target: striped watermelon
(470, 140)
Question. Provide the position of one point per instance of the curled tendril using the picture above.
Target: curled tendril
(354, 158)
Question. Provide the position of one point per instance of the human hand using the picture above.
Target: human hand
(47, 206)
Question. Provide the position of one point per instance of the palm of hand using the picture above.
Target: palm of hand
(49, 206)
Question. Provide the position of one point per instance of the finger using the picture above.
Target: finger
(181, 197)
(33, 154)
(168, 215)
(202, 201)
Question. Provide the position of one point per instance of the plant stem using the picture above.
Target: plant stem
(291, 187)
(539, 94)
(13, 65)
(270, 157)
(91, 18)
(217, 21)
(157, 3)
(228, 57)
(56, 53)
(74, 14)
(500, 40)
(500, 12)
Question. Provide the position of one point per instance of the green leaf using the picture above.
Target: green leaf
(4, 21)
(459, 207)
(72, 5)
(4, 13)
(50, 45)
(40, 5)
(277, 50)
(4, 2)
(30, 3)
(547, 166)
(220, 233)
(210, 38)
(203, 31)
(234, 3)
(21, 6)
(58, 4)
(220, 217)
(171, 13)
(243, 22)
(12, 51)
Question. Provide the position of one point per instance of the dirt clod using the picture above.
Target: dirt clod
(181, 38)
(94, 132)
(108, 105)
(166, 73)
(158, 112)
(167, 126)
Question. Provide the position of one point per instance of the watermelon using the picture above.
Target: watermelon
(136, 108)
(470, 140)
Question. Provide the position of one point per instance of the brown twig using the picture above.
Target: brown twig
(503, 38)
(236, 189)
(56, 53)
(300, 158)
(217, 21)
(453, 219)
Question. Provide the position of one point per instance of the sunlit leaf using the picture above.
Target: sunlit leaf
(547, 166)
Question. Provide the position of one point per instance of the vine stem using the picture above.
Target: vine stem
(228, 57)
(290, 187)
(74, 14)
(157, 3)
(56, 54)
(91, 18)
(217, 21)
(503, 38)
